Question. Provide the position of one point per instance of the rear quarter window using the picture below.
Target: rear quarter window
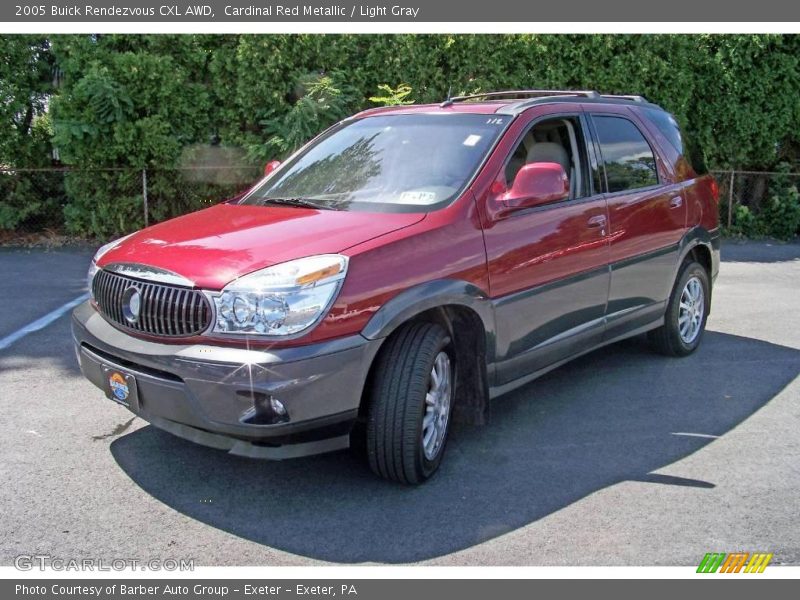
(669, 128)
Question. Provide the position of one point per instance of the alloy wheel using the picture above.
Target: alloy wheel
(691, 310)
(437, 406)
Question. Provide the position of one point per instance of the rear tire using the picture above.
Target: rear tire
(687, 311)
(409, 416)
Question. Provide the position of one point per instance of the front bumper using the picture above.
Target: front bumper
(215, 395)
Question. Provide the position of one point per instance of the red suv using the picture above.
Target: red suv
(401, 269)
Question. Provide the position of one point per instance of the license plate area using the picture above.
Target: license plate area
(120, 386)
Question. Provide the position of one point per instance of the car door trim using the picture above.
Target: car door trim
(547, 286)
(499, 390)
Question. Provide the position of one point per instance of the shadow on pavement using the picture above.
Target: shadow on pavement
(617, 414)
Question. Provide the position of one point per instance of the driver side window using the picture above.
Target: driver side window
(558, 140)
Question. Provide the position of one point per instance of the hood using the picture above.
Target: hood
(212, 247)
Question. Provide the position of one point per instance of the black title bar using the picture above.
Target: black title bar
(438, 11)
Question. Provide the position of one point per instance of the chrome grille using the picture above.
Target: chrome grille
(166, 310)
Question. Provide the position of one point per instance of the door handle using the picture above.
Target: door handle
(597, 221)
(676, 202)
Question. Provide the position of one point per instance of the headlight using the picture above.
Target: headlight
(93, 268)
(281, 300)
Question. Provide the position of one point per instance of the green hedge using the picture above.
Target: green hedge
(141, 101)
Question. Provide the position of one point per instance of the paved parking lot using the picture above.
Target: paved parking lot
(622, 457)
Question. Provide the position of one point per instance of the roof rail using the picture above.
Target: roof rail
(521, 93)
(634, 98)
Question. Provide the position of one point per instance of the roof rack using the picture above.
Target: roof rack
(634, 98)
(521, 93)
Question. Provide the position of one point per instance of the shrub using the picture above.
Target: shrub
(779, 216)
(398, 96)
(138, 101)
(322, 100)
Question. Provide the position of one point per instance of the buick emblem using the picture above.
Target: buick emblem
(131, 304)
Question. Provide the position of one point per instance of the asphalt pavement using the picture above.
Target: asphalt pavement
(622, 457)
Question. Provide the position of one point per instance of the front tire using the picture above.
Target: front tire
(687, 311)
(411, 402)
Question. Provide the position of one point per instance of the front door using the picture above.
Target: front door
(548, 265)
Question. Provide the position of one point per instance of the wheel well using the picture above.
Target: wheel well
(468, 340)
(702, 255)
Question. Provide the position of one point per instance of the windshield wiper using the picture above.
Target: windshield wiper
(304, 202)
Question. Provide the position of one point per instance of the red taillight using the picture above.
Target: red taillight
(715, 190)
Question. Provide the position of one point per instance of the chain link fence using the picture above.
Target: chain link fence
(751, 189)
(55, 205)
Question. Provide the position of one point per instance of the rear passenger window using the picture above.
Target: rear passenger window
(628, 158)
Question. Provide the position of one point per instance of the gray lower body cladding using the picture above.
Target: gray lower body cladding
(220, 396)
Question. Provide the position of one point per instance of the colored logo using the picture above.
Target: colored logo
(744, 562)
(119, 387)
(131, 304)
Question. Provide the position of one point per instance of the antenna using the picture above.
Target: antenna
(449, 100)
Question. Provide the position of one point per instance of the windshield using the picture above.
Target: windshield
(390, 163)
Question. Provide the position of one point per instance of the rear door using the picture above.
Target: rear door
(548, 265)
(647, 219)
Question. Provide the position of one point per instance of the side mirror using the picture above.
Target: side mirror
(271, 166)
(536, 184)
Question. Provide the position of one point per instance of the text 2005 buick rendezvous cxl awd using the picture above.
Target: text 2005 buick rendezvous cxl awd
(408, 264)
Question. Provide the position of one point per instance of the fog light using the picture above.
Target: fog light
(266, 410)
(277, 406)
